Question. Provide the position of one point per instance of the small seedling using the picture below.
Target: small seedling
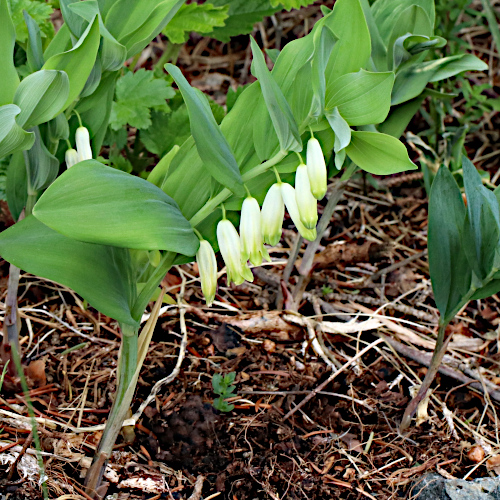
(222, 386)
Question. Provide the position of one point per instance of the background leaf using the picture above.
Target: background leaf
(135, 95)
(12, 137)
(10, 79)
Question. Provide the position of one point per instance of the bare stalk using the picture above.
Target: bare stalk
(437, 357)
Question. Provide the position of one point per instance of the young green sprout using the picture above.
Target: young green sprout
(316, 168)
(252, 244)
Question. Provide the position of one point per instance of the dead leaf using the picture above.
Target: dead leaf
(493, 464)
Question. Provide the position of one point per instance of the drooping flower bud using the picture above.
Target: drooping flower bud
(316, 168)
(252, 244)
(306, 202)
(289, 198)
(82, 139)
(71, 157)
(207, 266)
(154, 257)
(230, 249)
(273, 211)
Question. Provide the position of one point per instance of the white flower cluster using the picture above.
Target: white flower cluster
(83, 149)
(258, 227)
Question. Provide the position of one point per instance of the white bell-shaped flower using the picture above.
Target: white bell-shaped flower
(207, 266)
(290, 200)
(316, 168)
(306, 202)
(230, 249)
(273, 211)
(71, 157)
(82, 139)
(252, 244)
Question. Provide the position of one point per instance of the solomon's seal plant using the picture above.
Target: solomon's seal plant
(350, 86)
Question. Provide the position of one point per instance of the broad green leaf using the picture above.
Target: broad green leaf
(243, 15)
(487, 291)
(40, 11)
(166, 131)
(98, 204)
(79, 61)
(16, 185)
(412, 20)
(75, 23)
(41, 96)
(278, 107)
(412, 79)
(211, 144)
(10, 79)
(378, 154)
(34, 51)
(93, 80)
(143, 22)
(201, 18)
(42, 167)
(12, 137)
(387, 12)
(136, 94)
(100, 274)
(353, 48)
(362, 98)
(482, 229)
(449, 270)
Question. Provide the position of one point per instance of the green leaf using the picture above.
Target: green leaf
(113, 54)
(379, 51)
(98, 204)
(362, 98)
(482, 229)
(40, 12)
(412, 79)
(41, 96)
(277, 106)
(16, 185)
(42, 167)
(78, 62)
(378, 154)
(324, 41)
(400, 116)
(10, 79)
(12, 137)
(136, 94)
(211, 144)
(201, 18)
(158, 175)
(243, 15)
(100, 274)
(341, 129)
(75, 23)
(409, 45)
(60, 43)
(166, 131)
(143, 22)
(387, 13)
(34, 51)
(291, 4)
(352, 50)
(412, 20)
(449, 270)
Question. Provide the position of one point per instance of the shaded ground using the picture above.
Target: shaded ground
(344, 441)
